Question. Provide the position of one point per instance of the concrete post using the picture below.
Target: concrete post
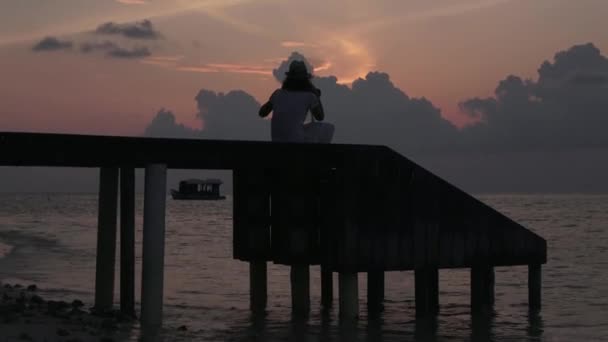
(106, 238)
(300, 290)
(482, 289)
(258, 292)
(375, 291)
(349, 295)
(534, 287)
(153, 247)
(327, 287)
(127, 241)
(427, 291)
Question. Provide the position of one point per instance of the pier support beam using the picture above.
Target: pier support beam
(258, 293)
(106, 239)
(127, 241)
(375, 291)
(300, 290)
(482, 289)
(534, 287)
(153, 247)
(327, 288)
(427, 291)
(349, 295)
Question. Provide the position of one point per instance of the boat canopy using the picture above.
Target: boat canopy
(202, 181)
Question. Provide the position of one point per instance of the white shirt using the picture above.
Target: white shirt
(289, 112)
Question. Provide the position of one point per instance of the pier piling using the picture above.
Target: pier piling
(258, 292)
(106, 238)
(127, 241)
(349, 295)
(375, 291)
(534, 287)
(482, 288)
(153, 247)
(427, 291)
(300, 289)
(327, 287)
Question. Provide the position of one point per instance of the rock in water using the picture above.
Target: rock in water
(77, 303)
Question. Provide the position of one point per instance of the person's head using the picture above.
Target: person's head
(297, 77)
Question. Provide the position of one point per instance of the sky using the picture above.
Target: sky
(441, 77)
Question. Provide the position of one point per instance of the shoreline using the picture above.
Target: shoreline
(26, 316)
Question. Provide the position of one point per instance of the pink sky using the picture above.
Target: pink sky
(444, 50)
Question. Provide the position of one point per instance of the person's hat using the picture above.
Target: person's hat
(297, 69)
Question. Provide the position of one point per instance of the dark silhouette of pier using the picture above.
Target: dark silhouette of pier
(347, 208)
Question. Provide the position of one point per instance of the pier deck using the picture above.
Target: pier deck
(348, 208)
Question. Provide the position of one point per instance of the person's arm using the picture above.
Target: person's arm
(265, 109)
(317, 110)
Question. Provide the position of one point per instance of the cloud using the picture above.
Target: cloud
(164, 125)
(137, 52)
(52, 44)
(132, 2)
(228, 68)
(566, 107)
(372, 111)
(138, 30)
(547, 134)
(231, 115)
(113, 50)
(295, 44)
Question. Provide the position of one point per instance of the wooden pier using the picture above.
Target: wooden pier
(348, 208)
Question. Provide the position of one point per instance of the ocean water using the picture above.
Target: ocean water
(49, 239)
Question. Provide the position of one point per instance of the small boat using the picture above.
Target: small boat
(198, 189)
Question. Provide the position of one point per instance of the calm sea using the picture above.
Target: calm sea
(49, 239)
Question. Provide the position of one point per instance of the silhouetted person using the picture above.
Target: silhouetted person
(291, 104)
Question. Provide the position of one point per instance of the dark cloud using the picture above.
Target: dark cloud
(138, 30)
(547, 134)
(112, 49)
(88, 47)
(52, 44)
(230, 116)
(164, 125)
(567, 107)
(137, 52)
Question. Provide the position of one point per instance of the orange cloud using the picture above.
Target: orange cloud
(293, 44)
(228, 68)
(132, 2)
